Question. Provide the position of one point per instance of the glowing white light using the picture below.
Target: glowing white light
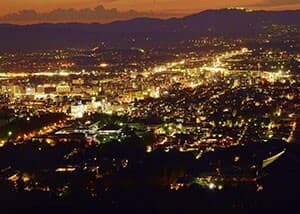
(212, 186)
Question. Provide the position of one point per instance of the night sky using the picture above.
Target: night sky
(38, 11)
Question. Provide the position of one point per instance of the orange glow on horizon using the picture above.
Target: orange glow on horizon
(160, 8)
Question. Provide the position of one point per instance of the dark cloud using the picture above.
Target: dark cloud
(275, 3)
(98, 14)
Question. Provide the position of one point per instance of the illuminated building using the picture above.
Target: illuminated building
(63, 88)
(78, 110)
(40, 89)
(78, 81)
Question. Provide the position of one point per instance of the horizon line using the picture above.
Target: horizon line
(157, 17)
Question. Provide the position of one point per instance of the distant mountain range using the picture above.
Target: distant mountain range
(143, 32)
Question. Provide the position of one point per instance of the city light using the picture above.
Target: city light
(160, 114)
(212, 186)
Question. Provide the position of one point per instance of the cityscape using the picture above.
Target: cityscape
(169, 119)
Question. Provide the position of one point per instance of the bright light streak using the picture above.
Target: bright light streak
(103, 65)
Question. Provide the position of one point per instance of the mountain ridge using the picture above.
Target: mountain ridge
(223, 22)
